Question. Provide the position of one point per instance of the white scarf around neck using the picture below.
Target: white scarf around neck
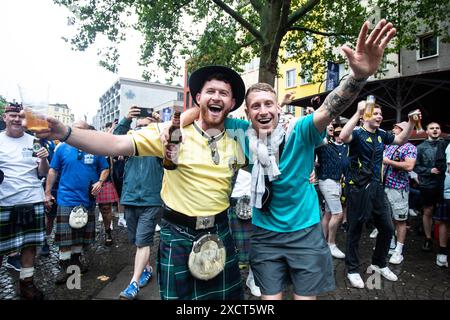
(264, 152)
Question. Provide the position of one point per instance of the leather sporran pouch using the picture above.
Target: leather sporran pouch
(22, 214)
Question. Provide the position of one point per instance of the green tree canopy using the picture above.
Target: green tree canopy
(231, 32)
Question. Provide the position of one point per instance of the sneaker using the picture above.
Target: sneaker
(146, 275)
(130, 292)
(427, 245)
(157, 228)
(412, 213)
(122, 222)
(335, 252)
(254, 289)
(13, 262)
(441, 260)
(108, 238)
(100, 217)
(385, 272)
(355, 280)
(396, 258)
(373, 234)
(45, 250)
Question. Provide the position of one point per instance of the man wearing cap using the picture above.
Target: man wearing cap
(21, 197)
(195, 195)
(142, 201)
(398, 161)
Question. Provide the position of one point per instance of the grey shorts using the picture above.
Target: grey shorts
(331, 191)
(301, 258)
(141, 223)
(398, 203)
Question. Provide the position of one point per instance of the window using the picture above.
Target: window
(180, 96)
(428, 47)
(56, 109)
(290, 78)
(307, 77)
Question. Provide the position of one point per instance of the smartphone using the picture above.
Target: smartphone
(146, 112)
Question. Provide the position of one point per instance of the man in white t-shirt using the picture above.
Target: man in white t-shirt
(22, 160)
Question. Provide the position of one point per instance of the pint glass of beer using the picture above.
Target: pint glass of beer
(35, 104)
(416, 119)
(370, 106)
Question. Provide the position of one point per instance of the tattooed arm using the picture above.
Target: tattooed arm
(363, 62)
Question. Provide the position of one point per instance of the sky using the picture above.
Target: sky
(32, 51)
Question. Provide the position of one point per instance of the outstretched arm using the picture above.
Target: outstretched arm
(346, 133)
(363, 62)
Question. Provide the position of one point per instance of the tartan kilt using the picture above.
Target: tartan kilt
(14, 237)
(107, 193)
(174, 278)
(66, 236)
(241, 230)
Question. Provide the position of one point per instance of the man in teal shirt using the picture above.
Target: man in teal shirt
(287, 242)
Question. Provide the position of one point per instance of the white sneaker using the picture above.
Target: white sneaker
(373, 234)
(396, 258)
(111, 225)
(385, 272)
(335, 252)
(355, 280)
(157, 228)
(122, 222)
(412, 213)
(441, 260)
(100, 217)
(254, 289)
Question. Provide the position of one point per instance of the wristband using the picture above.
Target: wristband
(69, 132)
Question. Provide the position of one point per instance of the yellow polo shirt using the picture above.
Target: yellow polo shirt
(198, 187)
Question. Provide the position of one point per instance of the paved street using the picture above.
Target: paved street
(111, 268)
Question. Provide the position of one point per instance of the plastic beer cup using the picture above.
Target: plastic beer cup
(35, 105)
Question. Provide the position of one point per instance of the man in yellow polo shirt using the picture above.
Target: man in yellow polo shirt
(197, 257)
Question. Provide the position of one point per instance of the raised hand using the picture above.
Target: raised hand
(366, 58)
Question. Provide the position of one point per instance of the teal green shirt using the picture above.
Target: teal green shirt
(295, 204)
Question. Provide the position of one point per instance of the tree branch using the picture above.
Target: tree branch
(256, 5)
(244, 45)
(294, 17)
(236, 16)
(329, 34)
(281, 30)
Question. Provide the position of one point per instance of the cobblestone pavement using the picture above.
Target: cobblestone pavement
(419, 277)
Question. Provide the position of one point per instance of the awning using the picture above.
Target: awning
(430, 92)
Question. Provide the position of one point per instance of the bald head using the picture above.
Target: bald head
(80, 124)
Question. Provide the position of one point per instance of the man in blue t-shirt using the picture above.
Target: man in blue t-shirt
(81, 178)
(287, 243)
(366, 197)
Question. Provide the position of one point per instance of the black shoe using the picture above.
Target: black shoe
(108, 238)
(62, 275)
(28, 290)
(427, 245)
(76, 259)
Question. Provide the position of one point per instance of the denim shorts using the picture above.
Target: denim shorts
(141, 223)
(302, 258)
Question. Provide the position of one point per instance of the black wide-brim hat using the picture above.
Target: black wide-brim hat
(199, 76)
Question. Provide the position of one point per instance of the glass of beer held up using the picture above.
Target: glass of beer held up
(416, 119)
(35, 104)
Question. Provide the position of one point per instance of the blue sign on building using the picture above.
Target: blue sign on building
(332, 75)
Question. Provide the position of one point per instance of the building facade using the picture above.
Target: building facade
(62, 113)
(125, 92)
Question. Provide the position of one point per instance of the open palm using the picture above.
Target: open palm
(366, 58)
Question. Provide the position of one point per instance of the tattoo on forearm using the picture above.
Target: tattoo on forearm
(341, 97)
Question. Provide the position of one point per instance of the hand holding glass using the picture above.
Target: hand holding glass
(35, 105)
(415, 116)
